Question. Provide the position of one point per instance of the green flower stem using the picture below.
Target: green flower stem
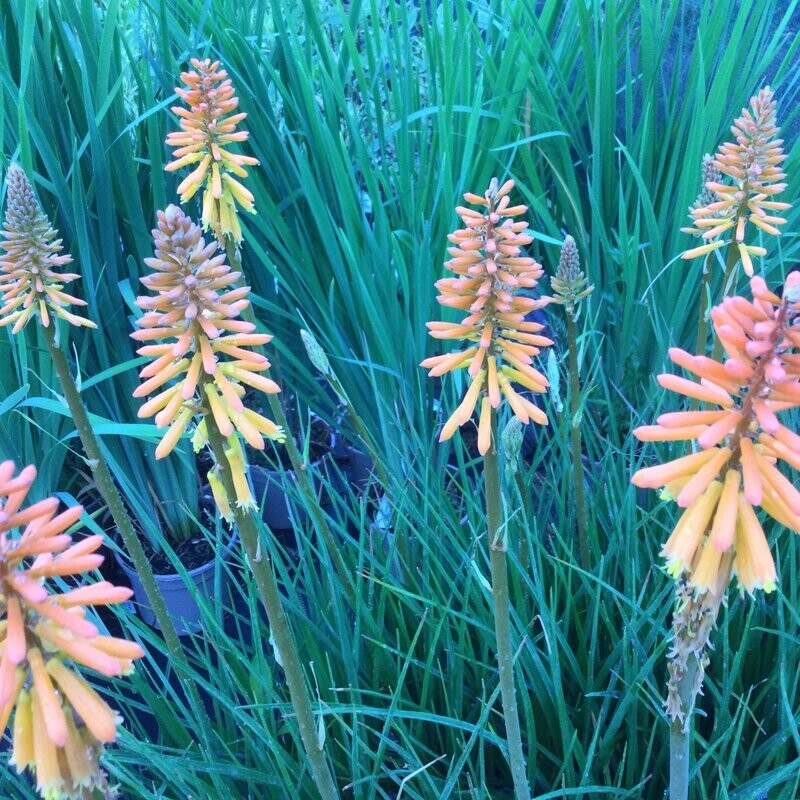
(731, 260)
(109, 492)
(502, 617)
(576, 441)
(299, 465)
(702, 323)
(261, 566)
(680, 735)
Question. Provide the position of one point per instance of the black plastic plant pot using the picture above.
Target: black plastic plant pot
(209, 580)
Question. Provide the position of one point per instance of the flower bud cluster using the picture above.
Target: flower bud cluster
(490, 268)
(569, 283)
(60, 722)
(30, 281)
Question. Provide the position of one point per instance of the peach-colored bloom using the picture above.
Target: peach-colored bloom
(208, 128)
(741, 442)
(30, 280)
(752, 164)
(201, 363)
(60, 722)
(490, 269)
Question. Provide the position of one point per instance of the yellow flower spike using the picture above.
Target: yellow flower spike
(47, 626)
(79, 758)
(54, 719)
(706, 569)
(23, 754)
(681, 547)
(173, 435)
(485, 427)
(30, 280)
(489, 267)
(739, 184)
(723, 530)
(90, 707)
(49, 778)
(206, 126)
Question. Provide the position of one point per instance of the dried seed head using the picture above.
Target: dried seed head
(30, 281)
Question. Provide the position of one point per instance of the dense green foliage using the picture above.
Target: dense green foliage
(370, 120)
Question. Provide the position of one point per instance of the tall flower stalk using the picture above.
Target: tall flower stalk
(33, 287)
(60, 723)
(500, 344)
(202, 368)
(741, 440)
(571, 286)
(745, 201)
(208, 129)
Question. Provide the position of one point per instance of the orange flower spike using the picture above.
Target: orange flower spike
(742, 442)
(196, 312)
(754, 176)
(42, 629)
(206, 132)
(30, 278)
(490, 269)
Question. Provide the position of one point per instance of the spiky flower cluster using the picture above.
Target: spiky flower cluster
(753, 165)
(569, 283)
(30, 281)
(740, 442)
(489, 267)
(206, 133)
(202, 354)
(60, 722)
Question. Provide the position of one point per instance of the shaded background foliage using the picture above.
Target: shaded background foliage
(370, 119)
